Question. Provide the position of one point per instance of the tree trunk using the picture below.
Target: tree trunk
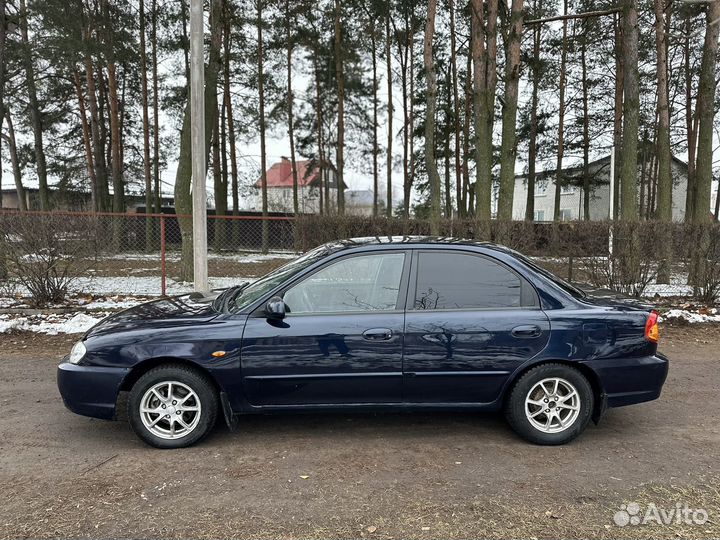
(115, 138)
(340, 76)
(115, 142)
(407, 188)
(156, 112)
(146, 132)
(447, 135)
(631, 111)
(183, 177)
(115, 130)
(403, 54)
(559, 180)
(98, 157)
(262, 122)
(664, 166)
(229, 110)
(290, 99)
(388, 61)
(466, 206)
(375, 151)
(15, 162)
(105, 148)
(186, 38)
(217, 182)
(87, 144)
(586, 127)
(690, 122)
(508, 148)
(706, 116)
(221, 191)
(34, 107)
(431, 98)
(532, 150)
(618, 115)
(323, 187)
(456, 109)
(3, 60)
(484, 46)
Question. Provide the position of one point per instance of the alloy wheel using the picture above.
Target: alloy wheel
(170, 410)
(552, 405)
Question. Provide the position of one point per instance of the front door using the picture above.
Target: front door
(341, 341)
(471, 321)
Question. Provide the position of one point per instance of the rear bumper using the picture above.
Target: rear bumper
(626, 381)
(89, 390)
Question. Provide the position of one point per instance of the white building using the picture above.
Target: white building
(571, 195)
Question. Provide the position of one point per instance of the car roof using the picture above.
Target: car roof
(415, 241)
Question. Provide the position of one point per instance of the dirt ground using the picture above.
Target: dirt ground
(373, 476)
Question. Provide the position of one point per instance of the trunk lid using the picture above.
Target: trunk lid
(610, 298)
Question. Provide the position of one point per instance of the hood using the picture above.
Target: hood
(170, 312)
(614, 299)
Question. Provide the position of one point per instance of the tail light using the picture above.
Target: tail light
(652, 328)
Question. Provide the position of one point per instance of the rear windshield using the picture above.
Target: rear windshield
(569, 288)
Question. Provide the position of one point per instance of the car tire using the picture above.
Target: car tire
(551, 404)
(172, 406)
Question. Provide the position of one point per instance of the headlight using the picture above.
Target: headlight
(77, 353)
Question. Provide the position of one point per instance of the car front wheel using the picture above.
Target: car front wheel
(172, 406)
(550, 404)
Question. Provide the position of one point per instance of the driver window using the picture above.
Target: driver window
(364, 283)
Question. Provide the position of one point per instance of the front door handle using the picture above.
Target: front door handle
(526, 331)
(377, 334)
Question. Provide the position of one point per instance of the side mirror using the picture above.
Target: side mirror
(275, 308)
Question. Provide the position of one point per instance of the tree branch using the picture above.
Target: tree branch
(585, 15)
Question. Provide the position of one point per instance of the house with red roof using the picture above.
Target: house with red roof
(280, 186)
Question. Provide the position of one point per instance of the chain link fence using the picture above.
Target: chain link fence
(48, 255)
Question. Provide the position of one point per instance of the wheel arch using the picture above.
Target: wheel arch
(141, 368)
(599, 401)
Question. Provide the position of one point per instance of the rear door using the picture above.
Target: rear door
(341, 341)
(470, 322)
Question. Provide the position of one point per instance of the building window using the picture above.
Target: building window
(539, 215)
(540, 189)
(567, 190)
(566, 214)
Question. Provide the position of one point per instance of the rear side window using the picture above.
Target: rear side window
(447, 280)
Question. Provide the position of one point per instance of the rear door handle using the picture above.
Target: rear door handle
(377, 334)
(526, 331)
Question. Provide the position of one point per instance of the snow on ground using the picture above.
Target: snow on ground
(243, 257)
(143, 286)
(127, 287)
(710, 315)
(53, 324)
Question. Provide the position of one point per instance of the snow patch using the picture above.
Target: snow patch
(702, 316)
(49, 323)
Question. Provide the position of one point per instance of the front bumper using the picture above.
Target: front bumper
(626, 381)
(90, 390)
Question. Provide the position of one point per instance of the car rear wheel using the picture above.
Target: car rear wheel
(550, 404)
(172, 406)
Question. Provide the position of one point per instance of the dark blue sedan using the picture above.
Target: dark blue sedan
(402, 323)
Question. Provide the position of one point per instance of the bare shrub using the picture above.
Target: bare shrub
(46, 253)
(633, 263)
(702, 242)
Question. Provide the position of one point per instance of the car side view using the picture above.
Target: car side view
(393, 323)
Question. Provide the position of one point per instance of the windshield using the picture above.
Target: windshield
(268, 282)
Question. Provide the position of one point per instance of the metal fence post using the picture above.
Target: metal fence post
(162, 255)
